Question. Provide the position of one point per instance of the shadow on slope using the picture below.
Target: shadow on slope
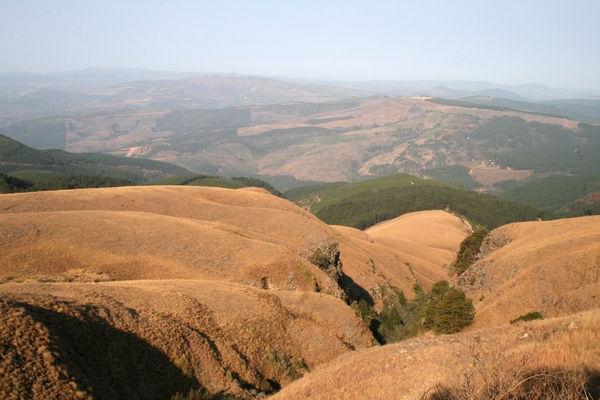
(109, 363)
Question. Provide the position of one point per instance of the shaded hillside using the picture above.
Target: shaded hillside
(213, 181)
(156, 338)
(15, 156)
(552, 267)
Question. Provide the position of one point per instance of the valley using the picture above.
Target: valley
(229, 237)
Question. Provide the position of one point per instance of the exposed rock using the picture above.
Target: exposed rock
(327, 257)
(493, 242)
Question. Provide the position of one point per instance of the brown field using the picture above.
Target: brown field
(487, 176)
(215, 283)
(163, 233)
(206, 233)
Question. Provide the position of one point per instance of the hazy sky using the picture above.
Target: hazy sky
(506, 42)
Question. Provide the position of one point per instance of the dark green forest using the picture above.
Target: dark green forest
(214, 181)
(556, 192)
(24, 169)
(15, 156)
(444, 310)
(456, 175)
(370, 207)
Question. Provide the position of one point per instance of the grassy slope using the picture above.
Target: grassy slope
(407, 370)
(549, 266)
(151, 339)
(222, 241)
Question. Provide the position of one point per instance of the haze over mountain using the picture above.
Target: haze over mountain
(507, 43)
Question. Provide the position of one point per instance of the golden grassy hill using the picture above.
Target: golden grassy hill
(416, 247)
(427, 240)
(245, 236)
(552, 267)
(480, 362)
(152, 339)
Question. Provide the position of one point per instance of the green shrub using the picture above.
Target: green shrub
(469, 248)
(528, 317)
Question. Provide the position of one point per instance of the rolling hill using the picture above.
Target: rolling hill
(152, 339)
(551, 267)
(199, 264)
(239, 292)
(482, 365)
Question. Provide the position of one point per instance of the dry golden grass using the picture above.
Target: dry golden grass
(414, 247)
(552, 267)
(228, 338)
(171, 251)
(247, 236)
(188, 262)
(409, 369)
(244, 236)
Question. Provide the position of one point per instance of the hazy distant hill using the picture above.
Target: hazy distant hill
(454, 89)
(343, 140)
(580, 110)
(288, 133)
(26, 95)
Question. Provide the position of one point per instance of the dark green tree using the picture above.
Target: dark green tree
(401, 298)
(439, 290)
(453, 313)
(434, 297)
(363, 311)
(392, 319)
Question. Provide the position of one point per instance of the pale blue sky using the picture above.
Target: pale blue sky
(508, 42)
